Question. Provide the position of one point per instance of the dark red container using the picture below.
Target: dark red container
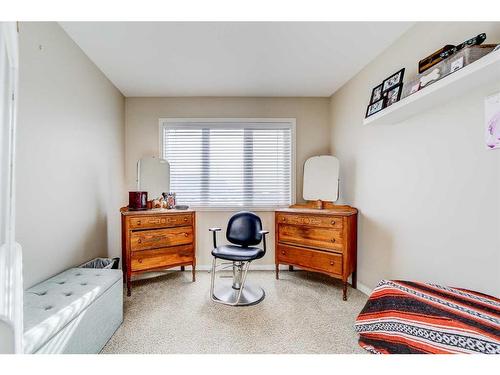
(137, 200)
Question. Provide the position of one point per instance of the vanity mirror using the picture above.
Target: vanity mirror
(153, 176)
(321, 179)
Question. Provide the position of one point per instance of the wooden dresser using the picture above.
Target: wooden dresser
(321, 240)
(157, 239)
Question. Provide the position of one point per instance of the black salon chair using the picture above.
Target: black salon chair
(244, 230)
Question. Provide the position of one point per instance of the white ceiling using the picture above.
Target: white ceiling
(232, 58)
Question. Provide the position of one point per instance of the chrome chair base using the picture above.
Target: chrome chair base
(250, 295)
(235, 292)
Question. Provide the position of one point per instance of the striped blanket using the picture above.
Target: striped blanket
(411, 317)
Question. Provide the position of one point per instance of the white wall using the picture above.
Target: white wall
(70, 155)
(142, 132)
(428, 189)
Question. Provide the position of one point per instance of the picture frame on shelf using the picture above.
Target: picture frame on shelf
(394, 95)
(457, 64)
(414, 88)
(376, 94)
(375, 107)
(393, 80)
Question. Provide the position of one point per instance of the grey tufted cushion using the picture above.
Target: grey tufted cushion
(52, 304)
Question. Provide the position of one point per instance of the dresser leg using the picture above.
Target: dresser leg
(277, 272)
(344, 291)
(129, 288)
(290, 268)
(182, 268)
(194, 273)
(354, 280)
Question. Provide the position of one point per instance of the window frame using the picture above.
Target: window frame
(272, 122)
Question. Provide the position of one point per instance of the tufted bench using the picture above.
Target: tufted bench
(76, 311)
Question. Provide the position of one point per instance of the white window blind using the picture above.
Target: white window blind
(230, 164)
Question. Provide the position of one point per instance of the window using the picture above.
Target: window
(230, 163)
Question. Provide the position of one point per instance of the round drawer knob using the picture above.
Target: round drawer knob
(331, 263)
(283, 219)
(185, 219)
(333, 240)
(139, 241)
(283, 252)
(138, 222)
(139, 260)
(333, 222)
(185, 234)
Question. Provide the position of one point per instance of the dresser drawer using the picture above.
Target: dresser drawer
(321, 238)
(312, 259)
(160, 221)
(311, 220)
(164, 257)
(151, 239)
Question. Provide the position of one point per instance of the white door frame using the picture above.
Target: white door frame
(11, 285)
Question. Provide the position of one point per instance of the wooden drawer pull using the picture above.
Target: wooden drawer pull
(331, 263)
(333, 240)
(185, 219)
(139, 260)
(185, 235)
(333, 222)
(138, 222)
(139, 241)
(283, 252)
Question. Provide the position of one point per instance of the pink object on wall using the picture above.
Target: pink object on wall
(492, 121)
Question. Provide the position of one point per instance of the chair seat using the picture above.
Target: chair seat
(238, 253)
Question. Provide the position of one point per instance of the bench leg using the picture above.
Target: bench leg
(182, 268)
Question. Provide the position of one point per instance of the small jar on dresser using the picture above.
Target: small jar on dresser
(157, 239)
(320, 240)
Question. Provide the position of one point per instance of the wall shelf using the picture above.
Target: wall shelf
(484, 70)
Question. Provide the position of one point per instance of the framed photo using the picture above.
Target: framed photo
(393, 80)
(375, 107)
(376, 94)
(415, 88)
(457, 64)
(394, 94)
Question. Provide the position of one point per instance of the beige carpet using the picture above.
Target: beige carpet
(303, 312)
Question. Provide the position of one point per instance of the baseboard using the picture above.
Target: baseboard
(269, 267)
(255, 267)
(363, 289)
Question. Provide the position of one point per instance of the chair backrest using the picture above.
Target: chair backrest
(243, 229)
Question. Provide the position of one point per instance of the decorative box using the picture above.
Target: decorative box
(453, 63)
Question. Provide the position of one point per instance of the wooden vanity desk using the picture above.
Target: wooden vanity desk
(157, 239)
(320, 240)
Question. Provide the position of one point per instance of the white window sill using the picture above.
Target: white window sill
(234, 209)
